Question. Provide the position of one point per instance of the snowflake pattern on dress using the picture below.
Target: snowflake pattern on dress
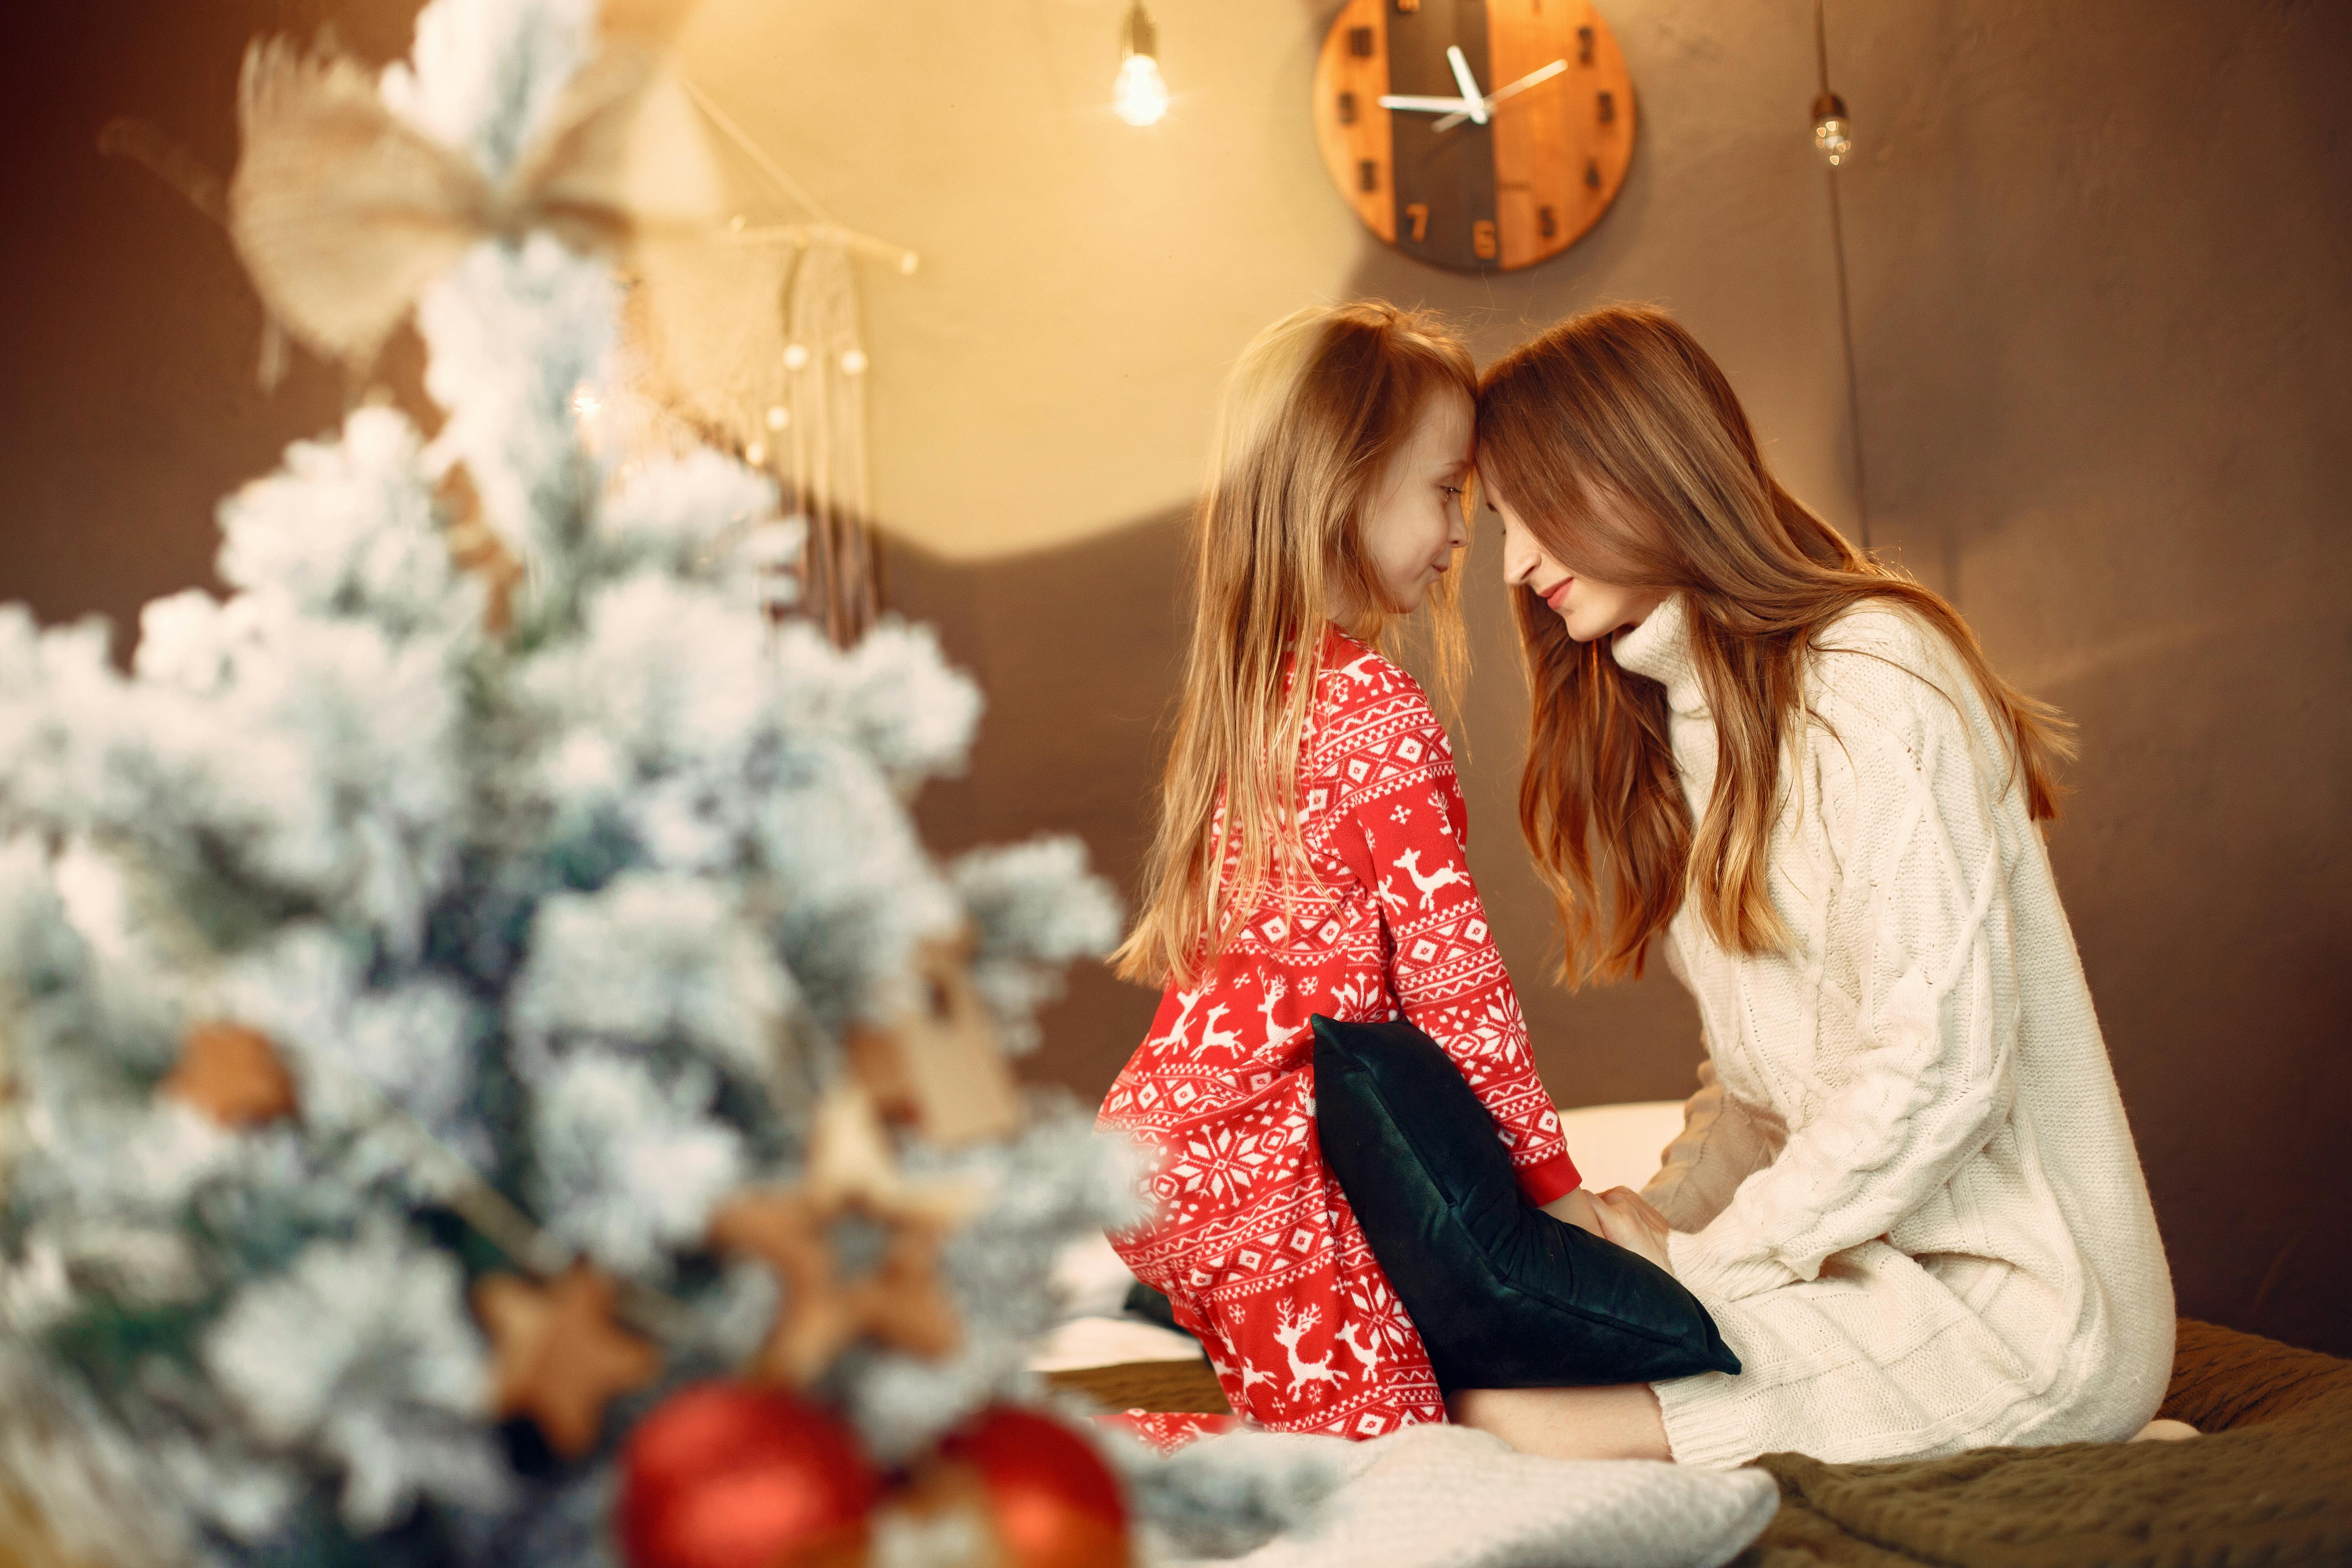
(1252, 1241)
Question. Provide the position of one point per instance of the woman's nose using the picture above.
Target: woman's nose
(1518, 557)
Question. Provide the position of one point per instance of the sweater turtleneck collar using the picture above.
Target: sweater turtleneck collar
(1660, 649)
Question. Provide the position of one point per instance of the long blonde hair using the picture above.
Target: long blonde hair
(1623, 447)
(1312, 414)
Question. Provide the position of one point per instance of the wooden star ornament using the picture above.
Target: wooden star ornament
(560, 1357)
(901, 1301)
(233, 1075)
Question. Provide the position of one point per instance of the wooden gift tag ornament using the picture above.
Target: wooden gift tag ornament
(938, 1066)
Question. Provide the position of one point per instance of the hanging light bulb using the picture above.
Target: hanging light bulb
(1139, 95)
(1833, 134)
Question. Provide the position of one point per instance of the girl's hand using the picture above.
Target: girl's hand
(1627, 1219)
(1577, 1208)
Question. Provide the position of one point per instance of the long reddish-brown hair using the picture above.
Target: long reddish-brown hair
(1620, 444)
(1314, 413)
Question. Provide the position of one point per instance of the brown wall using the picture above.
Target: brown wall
(2099, 264)
(128, 336)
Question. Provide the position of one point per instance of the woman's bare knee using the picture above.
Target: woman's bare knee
(1621, 1422)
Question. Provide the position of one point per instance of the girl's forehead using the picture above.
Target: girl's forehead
(1448, 417)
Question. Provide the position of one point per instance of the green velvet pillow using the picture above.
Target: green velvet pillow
(1504, 1296)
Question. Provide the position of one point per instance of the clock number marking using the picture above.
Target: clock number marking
(1584, 45)
(1592, 173)
(1346, 109)
(1368, 175)
(1418, 213)
(1360, 42)
(1482, 240)
(1547, 223)
(1608, 106)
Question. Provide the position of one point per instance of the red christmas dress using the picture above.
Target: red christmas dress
(1252, 1242)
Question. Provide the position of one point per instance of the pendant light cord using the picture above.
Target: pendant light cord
(1845, 302)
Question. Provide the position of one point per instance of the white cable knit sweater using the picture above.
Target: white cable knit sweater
(1905, 1188)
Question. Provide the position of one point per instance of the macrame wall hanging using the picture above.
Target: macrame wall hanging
(756, 341)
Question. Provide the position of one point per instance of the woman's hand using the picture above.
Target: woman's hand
(1627, 1219)
(1621, 1215)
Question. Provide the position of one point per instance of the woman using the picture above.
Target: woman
(1906, 1189)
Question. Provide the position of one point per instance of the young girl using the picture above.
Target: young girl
(1309, 859)
(1906, 1189)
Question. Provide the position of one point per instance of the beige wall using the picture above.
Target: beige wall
(2099, 256)
(1042, 389)
(1050, 373)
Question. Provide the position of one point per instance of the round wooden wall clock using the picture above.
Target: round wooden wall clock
(1483, 135)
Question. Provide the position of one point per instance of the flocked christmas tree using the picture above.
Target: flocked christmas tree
(454, 989)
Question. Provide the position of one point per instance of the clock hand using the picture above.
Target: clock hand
(1542, 75)
(1460, 106)
(1475, 104)
(1533, 79)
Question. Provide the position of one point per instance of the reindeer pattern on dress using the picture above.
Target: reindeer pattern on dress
(1241, 1372)
(1289, 1328)
(1444, 877)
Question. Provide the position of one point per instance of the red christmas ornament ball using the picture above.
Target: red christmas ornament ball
(722, 1475)
(1053, 1501)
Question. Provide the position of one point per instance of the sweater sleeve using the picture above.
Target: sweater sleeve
(1719, 1147)
(1930, 1081)
(1404, 836)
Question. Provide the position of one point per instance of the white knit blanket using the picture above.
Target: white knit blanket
(1448, 1496)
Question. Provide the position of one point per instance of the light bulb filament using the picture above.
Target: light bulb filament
(1833, 133)
(1139, 95)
